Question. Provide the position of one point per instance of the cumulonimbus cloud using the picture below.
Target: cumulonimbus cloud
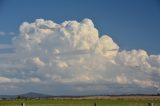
(72, 58)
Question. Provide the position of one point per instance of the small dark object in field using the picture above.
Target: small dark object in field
(22, 104)
(95, 104)
(150, 104)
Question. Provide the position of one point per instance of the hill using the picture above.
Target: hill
(25, 95)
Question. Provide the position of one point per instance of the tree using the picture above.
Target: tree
(19, 97)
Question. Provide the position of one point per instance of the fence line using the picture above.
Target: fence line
(94, 104)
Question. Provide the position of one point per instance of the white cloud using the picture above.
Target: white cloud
(154, 61)
(4, 80)
(121, 79)
(62, 65)
(12, 33)
(106, 47)
(7, 33)
(71, 58)
(2, 33)
(38, 62)
(133, 58)
(5, 46)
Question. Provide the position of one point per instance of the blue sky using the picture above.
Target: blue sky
(133, 24)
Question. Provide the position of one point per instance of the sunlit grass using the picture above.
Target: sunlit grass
(82, 102)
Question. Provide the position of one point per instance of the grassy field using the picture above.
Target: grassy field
(84, 102)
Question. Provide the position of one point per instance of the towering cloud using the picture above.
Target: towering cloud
(72, 58)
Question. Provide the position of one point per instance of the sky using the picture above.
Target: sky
(75, 47)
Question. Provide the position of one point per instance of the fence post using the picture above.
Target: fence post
(150, 104)
(95, 104)
(23, 104)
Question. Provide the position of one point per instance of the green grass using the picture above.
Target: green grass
(90, 102)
